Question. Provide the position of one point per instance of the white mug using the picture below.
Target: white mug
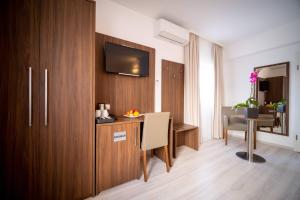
(101, 106)
(98, 113)
(104, 113)
(107, 106)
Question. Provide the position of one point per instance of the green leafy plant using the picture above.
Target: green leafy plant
(275, 106)
(249, 103)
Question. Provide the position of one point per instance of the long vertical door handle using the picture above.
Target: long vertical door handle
(136, 136)
(46, 97)
(30, 97)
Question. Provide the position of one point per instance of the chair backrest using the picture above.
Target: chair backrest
(155, 131)
(227, 110)
(233, 118)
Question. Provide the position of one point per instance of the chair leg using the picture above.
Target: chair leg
(145, 165)
(246, 135)
(167, 158)
(226, 136)
(152, 153)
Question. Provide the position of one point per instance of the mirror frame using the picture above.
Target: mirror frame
(288, 94)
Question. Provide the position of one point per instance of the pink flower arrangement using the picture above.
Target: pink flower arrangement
(250, 102)
(253, 77)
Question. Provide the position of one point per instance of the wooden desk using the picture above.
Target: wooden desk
(118, 151)
(159, 152)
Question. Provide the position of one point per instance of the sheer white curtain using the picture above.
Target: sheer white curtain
(206, 79)
(203, 83)
(217, 53)
(191, 81)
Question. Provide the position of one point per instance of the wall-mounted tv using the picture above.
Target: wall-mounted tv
(126, 60)
(263, 85)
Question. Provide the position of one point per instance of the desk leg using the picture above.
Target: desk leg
(192, 139)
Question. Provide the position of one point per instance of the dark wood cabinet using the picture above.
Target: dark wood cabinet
(19, 55)
(50, 156)
(117, 153)
(67, 106)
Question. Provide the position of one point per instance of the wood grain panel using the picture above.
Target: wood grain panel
(105, 84)
(173, 89)
(117, 162)
(123, 92)
(185, 134)
(275, 91)
(67, 48)
(189, 138)
(19, 50)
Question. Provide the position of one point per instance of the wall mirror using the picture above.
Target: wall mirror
(272, 93)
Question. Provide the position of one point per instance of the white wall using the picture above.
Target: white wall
(118, 21)
(275, 46)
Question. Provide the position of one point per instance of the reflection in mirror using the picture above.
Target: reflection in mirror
(272, 93)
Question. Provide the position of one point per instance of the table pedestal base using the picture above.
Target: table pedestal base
(256, 158)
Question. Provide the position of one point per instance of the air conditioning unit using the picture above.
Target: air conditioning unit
(171, 32)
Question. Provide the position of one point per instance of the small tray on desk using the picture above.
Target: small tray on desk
(100, 120)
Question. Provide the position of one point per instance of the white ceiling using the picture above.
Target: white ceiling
(222, 21)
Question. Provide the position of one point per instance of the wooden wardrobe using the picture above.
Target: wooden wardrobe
(47, 99)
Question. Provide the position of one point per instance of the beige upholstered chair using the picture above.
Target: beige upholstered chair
(233, 120)
(155, 135)
(266, 120)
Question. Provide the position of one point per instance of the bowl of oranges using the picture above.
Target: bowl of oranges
(133, 113)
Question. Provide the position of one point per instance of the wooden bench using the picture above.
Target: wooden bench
(185, 134)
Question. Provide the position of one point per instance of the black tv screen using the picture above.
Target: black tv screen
(263, 85)
(126, 60)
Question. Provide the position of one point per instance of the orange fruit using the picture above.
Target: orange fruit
(136, 113)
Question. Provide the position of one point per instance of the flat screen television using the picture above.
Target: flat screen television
(264, 85)
(126, 60)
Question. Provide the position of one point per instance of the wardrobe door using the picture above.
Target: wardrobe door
(19, 115)
(173, 89)
(167, 85)
(67, 99)
(178, 90)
